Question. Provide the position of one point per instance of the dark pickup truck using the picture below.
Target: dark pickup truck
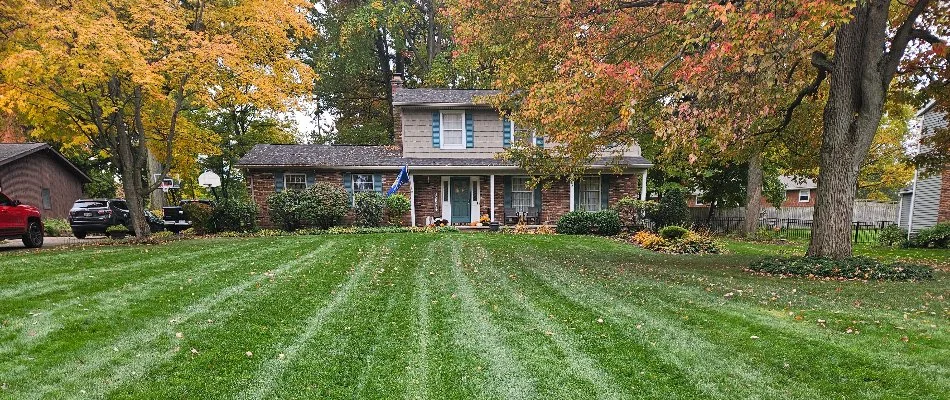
(175, 217)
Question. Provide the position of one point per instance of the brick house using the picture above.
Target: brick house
(926, 201)
(448, 141)
(35, 174)
(798, 193)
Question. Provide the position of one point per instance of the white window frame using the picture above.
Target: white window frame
(525, 189)
(807, 193)
(287, 184)
(533, 141)
(442, 143)
(372, 184)
(698, 201)
(597, 206)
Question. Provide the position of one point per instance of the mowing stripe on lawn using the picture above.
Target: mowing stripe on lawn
(419, 367)
(790, 339)
(713, 371)
(65, 281)
(581, 364)
(509, 378)
(35, 328)
(270, 371)
(73, 375)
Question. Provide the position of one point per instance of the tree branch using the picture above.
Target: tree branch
(824, 66)
(905, 33)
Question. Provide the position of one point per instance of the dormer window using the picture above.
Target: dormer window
(453, 130)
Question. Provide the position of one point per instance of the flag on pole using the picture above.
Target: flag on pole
(401, 179)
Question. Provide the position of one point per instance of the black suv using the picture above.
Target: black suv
(95, 215)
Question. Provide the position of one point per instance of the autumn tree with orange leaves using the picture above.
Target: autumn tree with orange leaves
(125, 76)
(728, 80)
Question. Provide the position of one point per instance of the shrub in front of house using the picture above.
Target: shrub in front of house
(670, 210)
(233, 215)
(397, 208)
(632, 211)
(574, 223)
(606, 223)
(672, 232)
(368, 209)
(849, 268)
(56, 227)
(937, 237)
(892, 236)
(200, 216)
(322, 206)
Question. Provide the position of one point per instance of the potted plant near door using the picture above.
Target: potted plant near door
(117, 232)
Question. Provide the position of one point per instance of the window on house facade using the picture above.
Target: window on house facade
(453, 130)
(363, 183)
(588, 194)
(522, 196)
(804, 195)
(47, 201)
(522, 135)
(699, 201)
(295, 181)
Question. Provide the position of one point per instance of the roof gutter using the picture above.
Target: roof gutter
(417, 104)
(426, 167)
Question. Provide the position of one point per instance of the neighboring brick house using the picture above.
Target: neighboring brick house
(929, 204)
(449, 142)
(35, 174)
(798, 193)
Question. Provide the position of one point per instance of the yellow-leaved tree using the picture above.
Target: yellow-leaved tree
(123, 76)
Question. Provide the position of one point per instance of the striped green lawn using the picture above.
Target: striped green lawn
(445, 316)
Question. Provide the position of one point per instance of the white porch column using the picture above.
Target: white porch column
(571, 200)
(643, 186)
(491, 196)
(412, 199)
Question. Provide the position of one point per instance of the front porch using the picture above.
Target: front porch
(464, 200)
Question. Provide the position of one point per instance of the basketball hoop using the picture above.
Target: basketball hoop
(167, 185)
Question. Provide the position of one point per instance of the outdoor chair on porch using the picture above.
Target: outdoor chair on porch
(532, 216)
(511, 216)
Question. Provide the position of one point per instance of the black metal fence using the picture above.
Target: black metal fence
(792, 228)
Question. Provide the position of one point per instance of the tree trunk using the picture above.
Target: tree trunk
(858, 89)
(753, 196)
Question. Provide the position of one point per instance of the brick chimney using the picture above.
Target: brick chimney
(397, 84)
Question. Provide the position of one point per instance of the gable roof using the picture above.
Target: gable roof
(444, 97)
(380, 157)
(10, 152)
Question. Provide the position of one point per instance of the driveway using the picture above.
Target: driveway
(48, 242)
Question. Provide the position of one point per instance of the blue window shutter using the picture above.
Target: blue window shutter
(604, 191)
(436, 129)
(577, 195)
(469, 130)
(539, 141)
(311, 179)
(348, 185)
(537, 196)
(507, 191)
(506, 132)
(378, 183)
(279, 182)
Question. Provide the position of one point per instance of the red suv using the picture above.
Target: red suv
(20, 221)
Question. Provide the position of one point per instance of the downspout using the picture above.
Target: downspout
(910, 214)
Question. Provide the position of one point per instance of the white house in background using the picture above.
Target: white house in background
(926, 201)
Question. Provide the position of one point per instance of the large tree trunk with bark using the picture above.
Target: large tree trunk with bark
(860, 75)
(753, 196)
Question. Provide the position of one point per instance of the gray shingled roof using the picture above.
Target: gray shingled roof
(10, 152)
(403, 96)
(13, 151)
(328, 156)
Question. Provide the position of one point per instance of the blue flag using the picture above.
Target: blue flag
(401, 179)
